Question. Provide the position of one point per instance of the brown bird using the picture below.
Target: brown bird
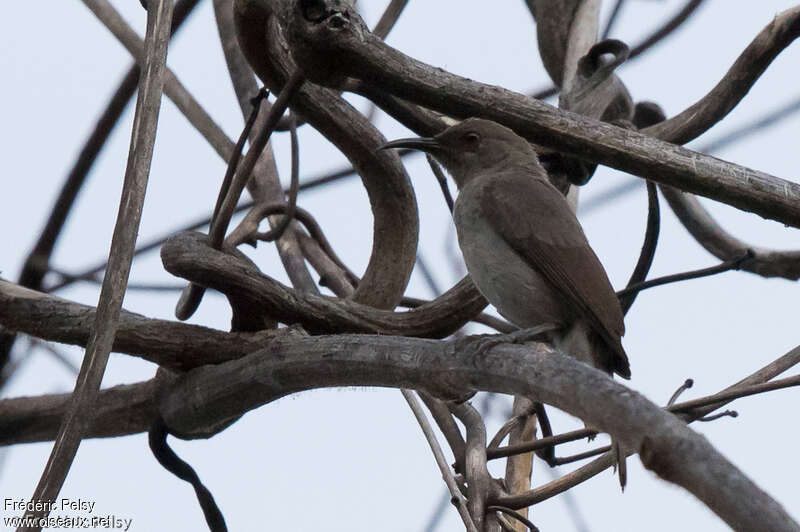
(522, 244)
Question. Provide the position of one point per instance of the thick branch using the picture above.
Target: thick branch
(672, 450)
(119, 411)
(171, 344)
(390, 194)
(187, 255)
(288, 364)
(355, 52)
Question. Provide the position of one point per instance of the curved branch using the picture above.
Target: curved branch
(265, 184)
(173, 345)
(771, 370)
(189, 256)
(388, 187)
(716, 240)
(671, 449)
(142, 334)
(654, 38)
(748, 67)
(357, 53)
(479, 482)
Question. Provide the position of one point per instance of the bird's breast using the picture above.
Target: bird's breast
(518, 291)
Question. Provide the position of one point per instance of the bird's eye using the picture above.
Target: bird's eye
(472, 138)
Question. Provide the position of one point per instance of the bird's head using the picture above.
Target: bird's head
(473, 147)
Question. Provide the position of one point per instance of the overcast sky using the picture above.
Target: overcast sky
(354, 459)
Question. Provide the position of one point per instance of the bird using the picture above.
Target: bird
(523, 247)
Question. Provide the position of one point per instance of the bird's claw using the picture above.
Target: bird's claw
(481, 344)
(528, 335)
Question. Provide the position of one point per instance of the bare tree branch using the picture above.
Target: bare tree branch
(123, 242)
(479, 482)
(389, 18)
(365, 57)
(447, 474)
(392, 200)
(119, 411)
(173, 345)
(671, 449)
(574, 478)
(36, 265)
(264, 185)
(335, 370)
(189, 256)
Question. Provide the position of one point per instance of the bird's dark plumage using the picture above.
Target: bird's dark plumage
(523, 246)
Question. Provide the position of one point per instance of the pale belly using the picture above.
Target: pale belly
(517, 290)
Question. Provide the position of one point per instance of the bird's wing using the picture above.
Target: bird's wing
(537, 222)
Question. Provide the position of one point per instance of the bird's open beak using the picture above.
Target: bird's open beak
(426, 144)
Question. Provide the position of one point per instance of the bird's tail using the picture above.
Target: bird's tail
(584, 343)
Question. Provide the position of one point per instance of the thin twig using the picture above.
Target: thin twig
(648, 251)
(169, 460)
(510, 450)
(444, 419)
(714, 417)
(507, 427)
(688, 383)
(389, 18)
(219, 225)
(57, 354)
(583, 456)
(728, 265)
(193, 294)
(666, 29)
(519, 517)
(37, 263)
(447, 474)
(442, 180)
(612, 18)
(735, 393)
(123, 243)
(291, 205)
(233, 162)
